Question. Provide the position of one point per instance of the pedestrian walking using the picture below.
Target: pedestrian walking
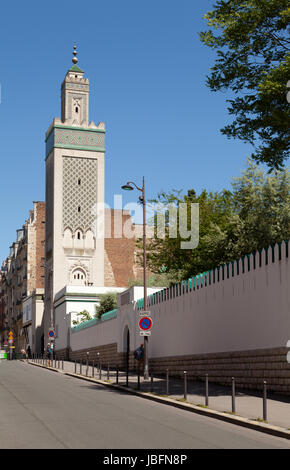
(139, 356)
(49, 353)
(28, 351)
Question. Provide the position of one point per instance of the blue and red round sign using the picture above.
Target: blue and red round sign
(51, 333)
(145, 324)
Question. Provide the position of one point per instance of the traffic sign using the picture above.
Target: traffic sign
(51, 333)
(145, 333)
(10, 341)
(145, 324)
(144, 313)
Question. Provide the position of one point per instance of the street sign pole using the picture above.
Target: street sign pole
(10, 341)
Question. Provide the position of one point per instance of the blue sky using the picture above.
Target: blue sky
(147, 70)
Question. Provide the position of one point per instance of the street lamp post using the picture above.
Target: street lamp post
(128, 187)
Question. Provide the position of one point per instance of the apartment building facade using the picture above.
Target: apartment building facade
(22, 282)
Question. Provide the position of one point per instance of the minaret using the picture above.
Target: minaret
(75, 157)
(75, 96)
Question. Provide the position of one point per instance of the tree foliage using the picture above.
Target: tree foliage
(107, 303)
(85, 316)
(254, 215)
(253, 61)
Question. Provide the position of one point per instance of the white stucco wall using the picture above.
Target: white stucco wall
(98, 335)
(247, 311)
(72, 300)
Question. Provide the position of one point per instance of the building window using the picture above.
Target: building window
(77, 109)
(78, 277)
(79, 181)
(79, 208)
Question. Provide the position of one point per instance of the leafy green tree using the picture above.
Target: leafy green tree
(253, 50)
(155, 280)
(108, 302)
(254, 215)
(165, 254)
(85, 316)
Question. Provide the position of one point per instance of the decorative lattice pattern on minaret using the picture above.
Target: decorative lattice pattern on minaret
(79, 193)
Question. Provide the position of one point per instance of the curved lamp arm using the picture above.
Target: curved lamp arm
(137, 187)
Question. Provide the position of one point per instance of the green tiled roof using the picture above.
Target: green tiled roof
(75, 68)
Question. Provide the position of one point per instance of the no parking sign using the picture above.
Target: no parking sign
(51, 333)
(145, 325)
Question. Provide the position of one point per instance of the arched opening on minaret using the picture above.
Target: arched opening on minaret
(78, 277)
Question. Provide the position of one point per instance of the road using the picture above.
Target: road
(41, 409)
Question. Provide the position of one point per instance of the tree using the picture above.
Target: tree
(108, 302)
(85, 316)
(165, 254)
(155, 280)
(253, 50)
(254, 215)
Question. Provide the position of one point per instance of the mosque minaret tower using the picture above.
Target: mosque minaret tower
(75, 160)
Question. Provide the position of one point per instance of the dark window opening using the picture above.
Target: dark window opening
(79, 235)
(79, 208)
(79, 181)
(77, 109)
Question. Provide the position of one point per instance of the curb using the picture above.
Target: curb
(238, 420)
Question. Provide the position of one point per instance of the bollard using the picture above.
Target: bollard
(185, 385)
(138, 385)
(117, 374)
(93, 369)
(58, 363)
(127, 376)
(265, 401)
(151, 387)
(206, 389)
(167, 382)
(75, 367)
(62, 364)
(233, 395)
(108, 373)
(87, 369)
(81, 367)
(100, 371)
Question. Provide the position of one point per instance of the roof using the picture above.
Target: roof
(75, 68)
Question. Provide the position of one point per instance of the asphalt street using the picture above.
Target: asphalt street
(41, 409)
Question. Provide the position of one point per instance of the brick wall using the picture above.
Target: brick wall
(250, 368)
(107, 355)
(120, 253)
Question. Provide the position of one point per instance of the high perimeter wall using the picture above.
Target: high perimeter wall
(232, 321)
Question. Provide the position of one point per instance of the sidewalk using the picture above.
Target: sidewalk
(248, 404)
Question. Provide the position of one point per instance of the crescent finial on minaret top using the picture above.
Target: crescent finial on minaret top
(75, 59)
